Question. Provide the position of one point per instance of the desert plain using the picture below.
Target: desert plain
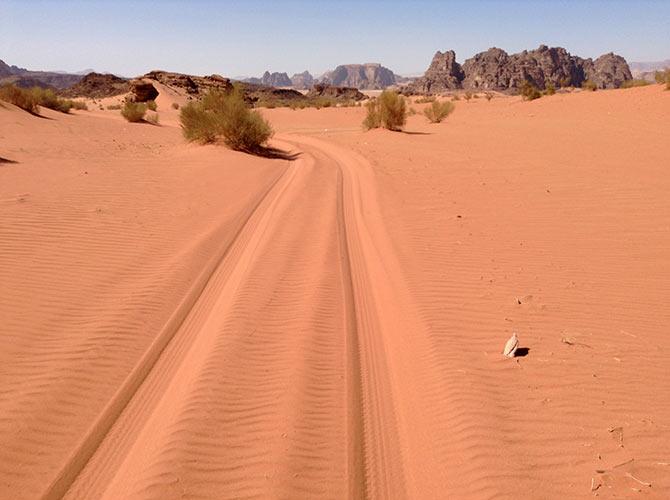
(187, 321)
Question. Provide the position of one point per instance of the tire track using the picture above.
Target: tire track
(87, 447)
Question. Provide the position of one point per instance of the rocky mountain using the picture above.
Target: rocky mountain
(371, 76)
(638, 68)
(23, 77)
(97, 85)
(303, 80)
(444, 73)
(495, 69)
(270, 79)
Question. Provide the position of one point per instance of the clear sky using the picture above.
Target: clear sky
(246, 37)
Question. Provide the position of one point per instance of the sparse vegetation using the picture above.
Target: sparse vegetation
(411, 111)
(467, 95)
(373, 117)
(549, 89)
(636, 82)
(175, 105)
(455, 98)
(48, 99)
(31, 99)
(134, 111)
(529, 92)
(663, 77)
(392, 110)
(425, 99)
(389, 110)
(225, 115)
(114, 107)
(565, 82)
(488, 96)
(79, 105)
(152, 105)
(438, 111)
(19, 97)
(589, 85)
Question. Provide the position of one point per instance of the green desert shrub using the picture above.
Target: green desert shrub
(22, 98)
(438, 111)
(589, 85)
(152, 105)
(134, 111)
(549, 89)
(392, 110)
(529, 92)
(225, 115)
(49, 99)
(373, 117)
(636, 82)
(79, 105)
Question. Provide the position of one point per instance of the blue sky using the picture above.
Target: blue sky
(246, 37)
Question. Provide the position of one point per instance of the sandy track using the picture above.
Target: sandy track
(277, 383)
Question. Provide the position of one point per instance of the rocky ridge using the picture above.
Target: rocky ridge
(495, 69)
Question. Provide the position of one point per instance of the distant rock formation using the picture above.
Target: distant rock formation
(371, 76)
(270, 80)
(96, 85)
(193, 85)
(638, 68)
(494, 69)
(275, 79)
(302, 80)
(444, 73)
(335, 92)
(26, 78)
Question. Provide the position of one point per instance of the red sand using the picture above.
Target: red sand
(182, 321)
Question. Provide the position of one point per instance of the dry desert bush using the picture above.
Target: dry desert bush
(152, 105)
(425, 99)
(225, 115)
(636, 82)
(438, 111)
(389, 110)
(549, 89)
(589, 85)
(529, 92)
(134, 111)
(31, 99)
(19, 97)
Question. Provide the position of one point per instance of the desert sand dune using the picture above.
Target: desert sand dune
(182, 321)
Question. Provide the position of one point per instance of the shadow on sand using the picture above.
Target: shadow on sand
(5, 160)
(273, 153)
(522, 352)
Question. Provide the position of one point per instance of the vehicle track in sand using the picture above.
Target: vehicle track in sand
(278, 380)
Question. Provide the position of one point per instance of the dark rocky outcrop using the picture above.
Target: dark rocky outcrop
(371, 76)
(494, 69)
(142, 91)
(609, 71)
(444, 73)
(97, 85)
(334, 92)
(193, 85)
(303, 80)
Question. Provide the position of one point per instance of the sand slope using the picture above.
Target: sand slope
(181, 321)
